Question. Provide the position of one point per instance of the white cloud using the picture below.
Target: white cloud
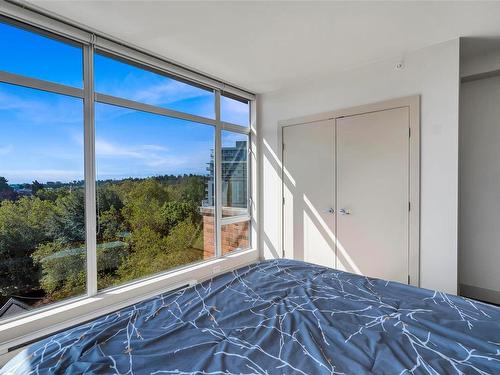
(14, 102)
(41, 108)
(121, 161)
(154, 148)
(150, 154)
(166, 92)
(105, 148)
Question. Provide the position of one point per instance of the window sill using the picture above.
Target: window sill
(26, 329)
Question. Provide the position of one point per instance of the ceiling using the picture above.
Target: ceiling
(265, 46)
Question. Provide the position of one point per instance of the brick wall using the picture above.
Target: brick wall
(208, 236)
(233, 236)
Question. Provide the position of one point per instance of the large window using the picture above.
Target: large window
(158, 165)
(152, 181)
(42, 222)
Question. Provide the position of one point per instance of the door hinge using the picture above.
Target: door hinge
(409, 280)
(282, 146)
(283, 201)
(409, 132)
(409, 206)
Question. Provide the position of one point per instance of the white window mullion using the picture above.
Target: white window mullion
(90, 173)
(138, 106)
(218, 177)
(39, 84)
(235, 128)
(252, 168)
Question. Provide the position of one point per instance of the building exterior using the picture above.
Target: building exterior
(13, 307)
(234, 176)
(234, 200)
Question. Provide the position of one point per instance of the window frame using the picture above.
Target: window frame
(119, 58)
(49, 26)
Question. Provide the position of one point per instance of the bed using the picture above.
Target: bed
(280, 317)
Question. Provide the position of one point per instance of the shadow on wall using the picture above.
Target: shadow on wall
(478, 46)
(295, 195)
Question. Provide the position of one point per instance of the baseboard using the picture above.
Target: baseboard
(482, 294)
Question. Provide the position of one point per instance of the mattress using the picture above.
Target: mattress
(280, 317)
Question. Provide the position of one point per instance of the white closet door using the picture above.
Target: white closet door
(372, 194)
(308, 187)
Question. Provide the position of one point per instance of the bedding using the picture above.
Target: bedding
(280, 317)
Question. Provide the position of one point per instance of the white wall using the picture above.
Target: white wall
(480, 188)
(432, 72)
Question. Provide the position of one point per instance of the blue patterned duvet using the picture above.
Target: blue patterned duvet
(280, 317)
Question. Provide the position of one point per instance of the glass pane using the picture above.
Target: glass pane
(113, 77)
(26, 53)
(235, 111)
(234, 174)
(154, 209)
(42, 226)
(235, 236)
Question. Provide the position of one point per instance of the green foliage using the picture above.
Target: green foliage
(177, 212)
(6, 191)
(35, 187)
(30, 223)
(63, 268)
(4, 183)
(110, 225)
(143, 205)
(67, 224)
(59, 264)
(109, 195)
(22, 228)
(153, 253)
(145, 226)
(52, 194)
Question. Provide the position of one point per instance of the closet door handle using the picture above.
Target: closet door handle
(343, 211)
(329, 211)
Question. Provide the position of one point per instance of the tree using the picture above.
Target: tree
(22, 228)
(143, 206)
(6, 191)
(152, 253)
(110, 225)
(108, 195)
(194, 189)
(67, 223)
(52, 194)
(145, 226)
(35, 187)
(4, 183)
(62, 268)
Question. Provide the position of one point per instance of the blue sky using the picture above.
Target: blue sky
(41, 134)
